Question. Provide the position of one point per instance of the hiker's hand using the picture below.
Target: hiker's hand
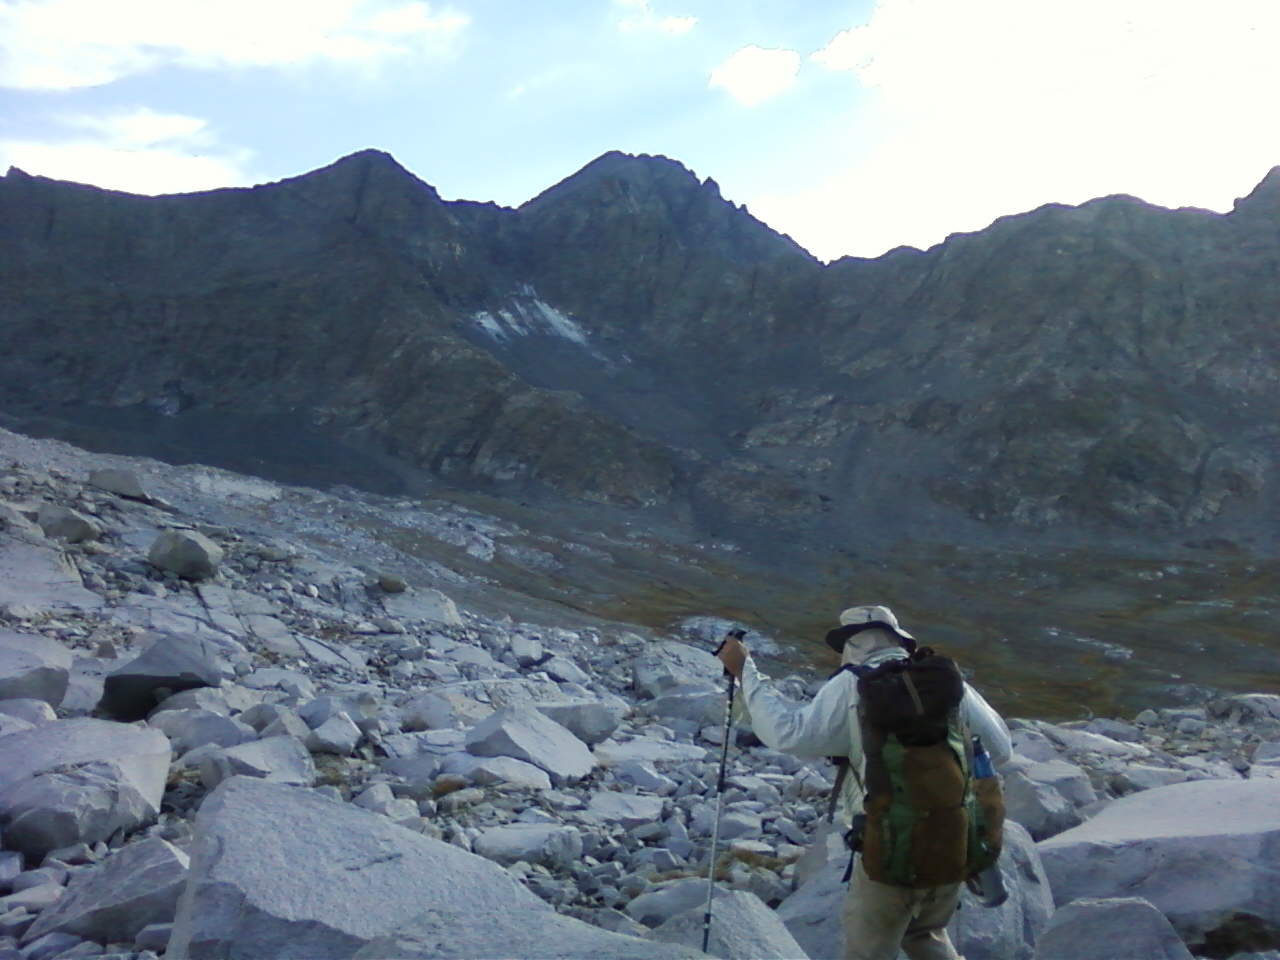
(733, 655)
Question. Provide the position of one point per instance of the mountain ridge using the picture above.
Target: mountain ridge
(1102, 373)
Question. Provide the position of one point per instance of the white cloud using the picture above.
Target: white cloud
(67, 44)
(140, 151)
(643, 17)
(753, 74)
(997, 106)
(677, 24)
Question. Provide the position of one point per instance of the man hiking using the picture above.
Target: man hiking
(880, 917)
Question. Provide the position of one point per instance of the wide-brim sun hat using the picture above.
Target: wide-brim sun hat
(854, 620)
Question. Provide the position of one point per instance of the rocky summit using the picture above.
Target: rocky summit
(1100, 375)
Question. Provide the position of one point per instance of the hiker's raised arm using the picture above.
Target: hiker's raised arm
(819, 728)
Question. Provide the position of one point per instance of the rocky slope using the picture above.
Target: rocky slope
(219, 736)
(1102, 375)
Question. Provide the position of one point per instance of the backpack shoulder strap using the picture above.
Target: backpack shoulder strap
(843, 765)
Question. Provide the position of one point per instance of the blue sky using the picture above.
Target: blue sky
(854, 126)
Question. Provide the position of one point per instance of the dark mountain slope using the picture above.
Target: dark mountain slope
(1101, 374)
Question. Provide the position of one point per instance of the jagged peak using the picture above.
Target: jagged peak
(701, 214)
(363, 164)
(641, 171)
(1265, 196)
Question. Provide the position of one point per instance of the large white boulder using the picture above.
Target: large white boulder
(528, 735)
(112, 901)
(79, 781)
(591, 721)
(280, 872)
(33, 667)
(667, 665)
(741, 926)
(1129, 928)
(546, 843)
(1199, 851)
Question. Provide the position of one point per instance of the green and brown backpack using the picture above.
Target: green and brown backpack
(934, 813)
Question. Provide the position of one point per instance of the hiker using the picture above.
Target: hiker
(878, 917)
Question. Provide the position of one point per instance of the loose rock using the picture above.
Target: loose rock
(591, 721)
(277, 759)
(79, 781)
(339, 734)
(114, 900)
(532, 842)
(62, 523)
(1116, 929)
(33, 667)
(528, 735)
(666, 665)
(34, 712)
(123, 483)
(190, 555)
(173, 663)
(741, 926)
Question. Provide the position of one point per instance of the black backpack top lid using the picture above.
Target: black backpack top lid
(912, 697)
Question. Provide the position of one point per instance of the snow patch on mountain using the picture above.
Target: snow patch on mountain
(529, 316)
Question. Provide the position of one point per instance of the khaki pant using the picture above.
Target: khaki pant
(878, 919)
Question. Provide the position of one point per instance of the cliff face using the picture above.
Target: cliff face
(1098, 374)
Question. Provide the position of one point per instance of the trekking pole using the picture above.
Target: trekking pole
(724, 763)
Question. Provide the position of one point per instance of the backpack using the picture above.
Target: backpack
(931, 819)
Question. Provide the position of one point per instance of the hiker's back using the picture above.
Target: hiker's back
(925, 825)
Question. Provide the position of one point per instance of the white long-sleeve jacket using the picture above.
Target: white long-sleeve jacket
(827, 726)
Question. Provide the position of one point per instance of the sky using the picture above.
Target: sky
(854, 126)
